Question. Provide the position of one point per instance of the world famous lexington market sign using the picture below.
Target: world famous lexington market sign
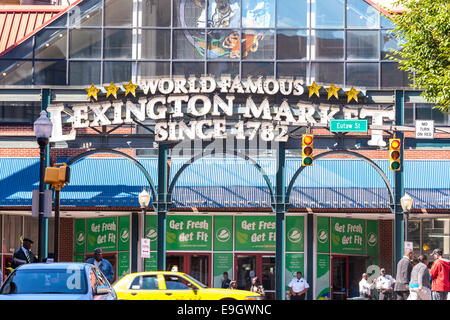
(205, 108)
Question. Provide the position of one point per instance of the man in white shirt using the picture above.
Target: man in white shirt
(385, 285)
(298, 287)
(365, 287)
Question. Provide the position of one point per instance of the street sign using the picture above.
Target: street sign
(48, 194)
(348, 125)
(408, 245)
(145, 248)
(424, 129)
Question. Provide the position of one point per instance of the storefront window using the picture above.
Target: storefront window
(252, 68)
(156, 13)
(295, 40)
(85, 43)
(11, 112)
(223, 68)
(187, 69)
(414, 235)
(51, 44)
(188, 44)
(292, 69)
(86, 14)
(258, 13)
(425, 111)
(361, 14)
(257, 44)
(50, 72)
(11, 239)
(327, 13)
(292, 13)
(392, 77)
(436, 233)
(116, 71)
(224, 13)
(328, 44)
(156, 44)
(118, 13)
(362, 45)
(118, 43)
(153, 69)
(84, 72)
(13, 72)
(327, 72)
(224, 44)
(364, 74)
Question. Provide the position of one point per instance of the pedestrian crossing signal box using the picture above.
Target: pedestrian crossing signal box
(307, 149)
(57, 176)
(394, 154)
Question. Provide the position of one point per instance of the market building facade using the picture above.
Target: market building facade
(204, 104)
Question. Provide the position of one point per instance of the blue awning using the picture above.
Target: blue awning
(232, 182)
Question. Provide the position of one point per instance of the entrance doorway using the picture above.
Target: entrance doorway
(195, 265)
(247, 266)
(346, 272)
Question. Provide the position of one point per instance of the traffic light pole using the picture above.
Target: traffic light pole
(162, 206)
(56, 235)
(280, 209)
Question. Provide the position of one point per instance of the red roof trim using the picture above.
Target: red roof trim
(382, 10)
(40, 27)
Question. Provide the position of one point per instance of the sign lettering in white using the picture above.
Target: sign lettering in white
(424, 129)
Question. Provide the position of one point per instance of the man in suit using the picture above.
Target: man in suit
(404, 268)
(23, 255)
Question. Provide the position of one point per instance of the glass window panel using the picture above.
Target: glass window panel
(223, 44)
(187, 69)
(85, 43)
(15, 72)
(388, 42)
(24, 51)
(50, 72)
(51, 44)
(11, 241)
(84, 73)
(326, 72)
(223, 68)
(328, 44)
(117, 43)
(425, 111)
(86, 13)
(188, 44)
(156, 44)
(256, 69)
(190, 14)
(292, 13)
(295, 40)
(60, 22)
(362, 45)
(31, 225)
(116, 72)
(156, 13)
(292, 69)
(258, 44)
(258, 13)
(224, 13)
(361, 14)
(153, 69)
(327, 13)
(118, 13)
(409, 113)
(392, 77)
(414, 234)
(19, 112)
(362, 74)
(436, 235)
(386, 22)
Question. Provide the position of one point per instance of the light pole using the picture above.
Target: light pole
(406, 201)
(42, 130)
(144, 200)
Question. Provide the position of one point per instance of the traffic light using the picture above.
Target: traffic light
(58, 175)
(394, 154)
(307, 149)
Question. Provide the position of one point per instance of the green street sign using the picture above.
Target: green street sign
(348, 125)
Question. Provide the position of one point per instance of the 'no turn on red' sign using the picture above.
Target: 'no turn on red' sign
(424, 129)
(145, 248)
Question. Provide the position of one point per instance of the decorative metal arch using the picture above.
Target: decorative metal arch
(346, 152)
(123, 155)
(235, 153)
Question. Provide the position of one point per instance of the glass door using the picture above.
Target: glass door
(175, 260)
(245, 270)
(199, 268)
(268, 276)
(339, 278)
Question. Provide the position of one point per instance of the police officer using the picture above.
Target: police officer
(298, 287)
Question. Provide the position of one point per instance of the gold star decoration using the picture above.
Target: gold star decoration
(111, 90)
(333, 91)
(92, 92)
(352, 94)
(314, 89)
(130, 88)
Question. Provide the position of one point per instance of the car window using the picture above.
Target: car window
(53, 281)
(176, 283)
(145, 283)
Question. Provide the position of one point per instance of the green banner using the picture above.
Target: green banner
(348, 236)
(79, 258)
(255, 233)
(323, 234)
(124, 233)
(123, 264)
(150, 264)
(323, 277)
(223, 262)
(372, 237)
(295, 235)
(102, 233)
(151, 230)
(80, 236)
(223, 233)
(189, 233)
(294, 262)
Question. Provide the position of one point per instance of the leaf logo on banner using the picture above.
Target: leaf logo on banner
(171, 237)
(223, 235)
(242, 237)
(294, 235)
(336, 239)
(372, 239)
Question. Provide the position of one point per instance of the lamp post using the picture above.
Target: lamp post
(144, 200)
(42, 130)
(406, 201)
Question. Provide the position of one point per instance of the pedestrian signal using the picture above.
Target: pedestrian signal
(58, 175)
(307, 149)
(394, 154)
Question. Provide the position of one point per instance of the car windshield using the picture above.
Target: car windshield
(52, 281)
(201, 285)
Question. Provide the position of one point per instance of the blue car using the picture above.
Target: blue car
(57, 281)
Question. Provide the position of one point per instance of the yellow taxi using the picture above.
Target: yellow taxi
(168, 285)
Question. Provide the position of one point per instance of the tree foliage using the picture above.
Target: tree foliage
(423, 30)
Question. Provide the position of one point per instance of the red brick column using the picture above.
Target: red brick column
(66, 239)
(386, 245)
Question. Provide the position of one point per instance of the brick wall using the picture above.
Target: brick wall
(386, 245)
(66, 239)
